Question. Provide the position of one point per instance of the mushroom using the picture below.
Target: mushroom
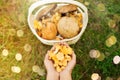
(46, 10)
(50, 31)
(59, 57)
(67, 8)
(68, 27)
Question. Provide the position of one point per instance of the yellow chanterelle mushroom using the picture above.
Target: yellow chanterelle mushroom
(60, 54)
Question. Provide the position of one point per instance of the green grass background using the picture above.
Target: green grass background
(13, 15)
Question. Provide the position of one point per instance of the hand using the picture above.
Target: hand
(66, 73)
(52, 74)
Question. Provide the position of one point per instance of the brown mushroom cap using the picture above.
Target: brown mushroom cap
(46, 10)
(68, 27)
(67, 8)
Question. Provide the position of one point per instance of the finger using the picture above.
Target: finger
(46, 58)
(64, 43)
(47, 55)
(73, 57)
(73, 61)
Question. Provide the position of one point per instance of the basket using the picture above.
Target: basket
(32, 13)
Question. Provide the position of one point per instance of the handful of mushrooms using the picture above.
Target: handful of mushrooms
(60, 54)
(58, 22)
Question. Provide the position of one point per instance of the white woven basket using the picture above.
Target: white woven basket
(32, 17)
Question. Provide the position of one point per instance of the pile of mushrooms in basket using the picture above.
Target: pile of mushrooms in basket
(58, 22)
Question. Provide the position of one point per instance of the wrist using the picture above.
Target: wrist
(65, 73)
(65, 76)
(54, 74)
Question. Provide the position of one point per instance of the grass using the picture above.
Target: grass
(13, 17)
